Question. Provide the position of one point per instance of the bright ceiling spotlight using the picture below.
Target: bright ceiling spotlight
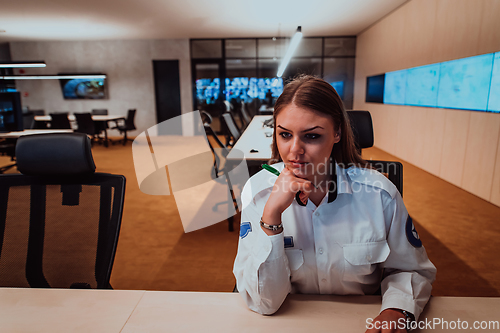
(291, 50)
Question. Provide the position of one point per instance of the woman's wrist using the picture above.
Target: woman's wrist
(271, 219)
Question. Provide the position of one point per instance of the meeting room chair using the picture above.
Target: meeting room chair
(127, 125)
(59, 219)
(59, 121)
(230, 129)
(39, 124)
(221, 165)
(362, 126)
(86, 125)
(100, 112)
(28, 120)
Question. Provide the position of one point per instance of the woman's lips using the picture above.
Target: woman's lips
(297, 164)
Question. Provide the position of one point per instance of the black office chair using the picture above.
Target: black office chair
(230, 129)
(128, 125)
(85, 124)
(59, 121)
(100, 112)
(39, 124)
(59, 219)
(28, 120)
(221, 165)
(362, 126)
(245, 118)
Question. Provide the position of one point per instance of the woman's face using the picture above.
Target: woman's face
(305, 140)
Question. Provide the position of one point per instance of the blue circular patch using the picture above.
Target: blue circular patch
(412, 234)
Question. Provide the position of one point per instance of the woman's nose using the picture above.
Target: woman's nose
(297, 148)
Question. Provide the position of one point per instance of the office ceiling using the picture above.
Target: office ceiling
(158, 19)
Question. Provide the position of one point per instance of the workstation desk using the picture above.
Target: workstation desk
(73, 310)
(255, 144)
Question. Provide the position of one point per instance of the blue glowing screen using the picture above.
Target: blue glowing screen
(494, 97)
(464, 83)
(422, 85)
(471, 83)
(395, 87)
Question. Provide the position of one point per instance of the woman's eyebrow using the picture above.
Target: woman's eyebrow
(307, 130)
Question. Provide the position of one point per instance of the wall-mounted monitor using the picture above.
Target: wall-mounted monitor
(471, 83)
(11, 113)
(84, 88)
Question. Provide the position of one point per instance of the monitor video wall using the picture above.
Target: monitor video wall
(471, 83)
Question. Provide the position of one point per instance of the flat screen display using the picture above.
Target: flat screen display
(375, 89)
(422, 85)
(11, 113)
(84, 88)
(395, 87)
(494, 96)
(339, 88)
(464, 83)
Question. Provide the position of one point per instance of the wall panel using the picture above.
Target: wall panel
(454, 145)
(480, 154)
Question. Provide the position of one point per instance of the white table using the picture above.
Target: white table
(255, 137)
(72, 117)
(16, 135)
(57, 310)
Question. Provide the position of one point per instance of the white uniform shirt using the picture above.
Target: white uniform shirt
(343, 247)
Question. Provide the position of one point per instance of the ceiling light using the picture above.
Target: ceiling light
(52, 77)
(291, 50)
(22, 64)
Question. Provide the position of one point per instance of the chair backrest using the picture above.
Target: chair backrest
(28, 120)
(100, 112)
(129, 122)
(245, 118)
(220, 152)
(362, 127)
(206, 118)
(59, 220)
(230, 126)
(38, 112)
(85, 123)
(59, 121)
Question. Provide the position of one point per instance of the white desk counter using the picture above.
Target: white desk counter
(56, 310)
(255, 137)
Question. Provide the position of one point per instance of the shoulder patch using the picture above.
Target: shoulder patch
(245, 229)
(372, 178)
(412, 234)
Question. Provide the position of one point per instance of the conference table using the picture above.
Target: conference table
(18, 134)
(72, 117)
(127, 311)
(96, 118)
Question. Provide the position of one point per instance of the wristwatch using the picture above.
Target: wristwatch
(409, 318)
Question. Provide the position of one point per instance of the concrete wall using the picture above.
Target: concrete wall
(127, 64)
(462, 147)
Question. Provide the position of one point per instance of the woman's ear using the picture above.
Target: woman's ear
(337, 136)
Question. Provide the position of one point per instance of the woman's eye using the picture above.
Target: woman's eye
(285, 135)
(313, 136)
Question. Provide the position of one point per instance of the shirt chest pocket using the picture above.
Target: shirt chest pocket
(361, 260)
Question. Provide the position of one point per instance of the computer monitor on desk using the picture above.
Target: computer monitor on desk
(11, 113)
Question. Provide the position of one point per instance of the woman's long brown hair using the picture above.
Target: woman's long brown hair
(318, 95)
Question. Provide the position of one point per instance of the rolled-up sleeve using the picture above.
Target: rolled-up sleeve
(261, 267)
(408, 272)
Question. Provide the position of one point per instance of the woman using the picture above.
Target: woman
(347, 233)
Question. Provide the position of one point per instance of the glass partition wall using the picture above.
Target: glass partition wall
(244, 69)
